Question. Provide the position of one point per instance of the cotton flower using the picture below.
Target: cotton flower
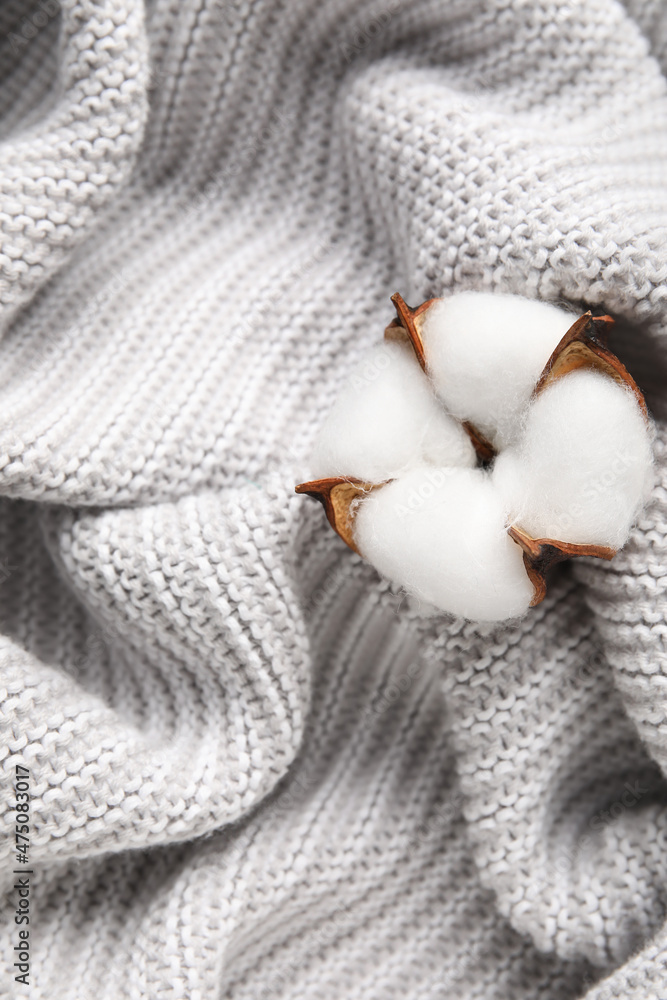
(488, 437)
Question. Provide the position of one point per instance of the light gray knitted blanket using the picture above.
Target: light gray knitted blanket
(252, 769)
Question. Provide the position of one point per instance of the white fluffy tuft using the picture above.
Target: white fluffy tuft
(386, 421)
(440, 533)
(582, 467)
(575, 463)
(485, 353)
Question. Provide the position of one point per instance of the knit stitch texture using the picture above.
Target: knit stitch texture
(256, 770)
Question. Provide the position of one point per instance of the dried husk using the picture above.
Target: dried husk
(337, 497)
(583, 346)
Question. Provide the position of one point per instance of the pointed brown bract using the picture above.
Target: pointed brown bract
(540, 554)
(585, 346)
(485, 450)
(407, 328)
(336, 496)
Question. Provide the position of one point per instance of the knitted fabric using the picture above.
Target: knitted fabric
(256, 770)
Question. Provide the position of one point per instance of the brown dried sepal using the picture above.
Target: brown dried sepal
(585, 346)
(407, 328)
(336, 496)
(540, 554)
(485, 450)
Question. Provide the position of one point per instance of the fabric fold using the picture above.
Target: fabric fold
(190, 605)
(56, 175)
(259, 771)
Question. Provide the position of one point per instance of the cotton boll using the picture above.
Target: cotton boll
(583, 466)
(485, 353)
(440, 533)
(387, 419)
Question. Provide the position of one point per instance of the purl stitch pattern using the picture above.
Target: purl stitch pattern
(256, 772)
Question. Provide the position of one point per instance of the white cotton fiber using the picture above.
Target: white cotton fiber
(485, 353)
(440, 533)
(582, 466)
(387, 420)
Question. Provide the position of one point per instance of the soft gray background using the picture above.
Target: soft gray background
(256, 771)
